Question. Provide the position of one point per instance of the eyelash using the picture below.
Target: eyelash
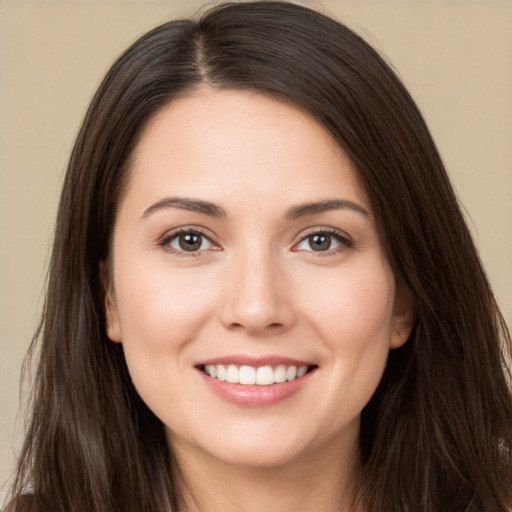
(344, 241)
(341, 237)
(170, 237)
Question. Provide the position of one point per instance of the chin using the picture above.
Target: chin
(260, 457)
(264, 447)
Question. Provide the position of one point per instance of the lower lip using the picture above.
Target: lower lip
(255, 396)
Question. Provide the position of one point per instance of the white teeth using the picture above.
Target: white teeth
(280, 373)
(302, 371)
(232, 374)
(248, 375)
(265, 376)
(221, 372)
(291, 373)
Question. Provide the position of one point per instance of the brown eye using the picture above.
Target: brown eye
(188, 241)
(320, 242)
(323, 241)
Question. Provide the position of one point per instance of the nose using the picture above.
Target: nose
(257, 297)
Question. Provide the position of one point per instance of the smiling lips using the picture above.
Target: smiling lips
(249, 375)
(256, 384)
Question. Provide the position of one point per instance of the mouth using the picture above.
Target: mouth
(265, 375)
(255, 381)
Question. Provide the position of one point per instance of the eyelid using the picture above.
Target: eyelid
(165, 240)
(342, 237)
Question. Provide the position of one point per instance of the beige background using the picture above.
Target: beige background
(455, 56)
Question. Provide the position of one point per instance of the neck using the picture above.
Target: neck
(323, 480)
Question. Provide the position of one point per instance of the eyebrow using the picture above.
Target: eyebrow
(306, 209)
(294, 213)
(184, 203)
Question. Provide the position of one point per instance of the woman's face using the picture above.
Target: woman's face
(245, 253)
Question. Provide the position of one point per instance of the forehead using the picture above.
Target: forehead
(225, 143)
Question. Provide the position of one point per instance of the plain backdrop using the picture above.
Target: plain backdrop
(455, 56)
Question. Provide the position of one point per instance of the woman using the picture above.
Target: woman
(262, 294)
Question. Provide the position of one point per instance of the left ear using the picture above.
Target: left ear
(404, 316)
(113, 326)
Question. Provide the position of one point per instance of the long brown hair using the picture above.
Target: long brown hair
(436, 435)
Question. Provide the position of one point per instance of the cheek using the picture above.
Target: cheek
(160, 309)
(353, 306)
(161, 312)
(353, 319)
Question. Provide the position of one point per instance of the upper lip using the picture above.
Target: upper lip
(241, 360)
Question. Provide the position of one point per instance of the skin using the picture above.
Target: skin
(255, 288)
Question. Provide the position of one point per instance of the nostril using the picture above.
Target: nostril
(272, 326)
